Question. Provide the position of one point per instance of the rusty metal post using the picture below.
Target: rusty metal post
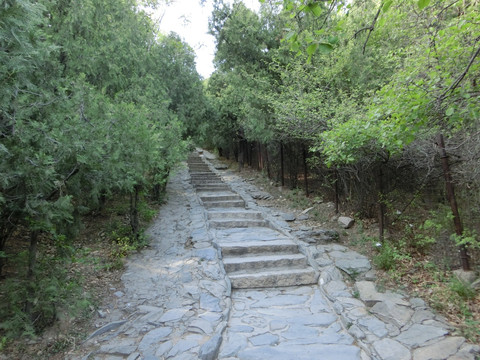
(453, 201)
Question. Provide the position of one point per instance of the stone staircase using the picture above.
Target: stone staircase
(254, 253)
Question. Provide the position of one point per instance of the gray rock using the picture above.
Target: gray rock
(154, 337)
(109, 327)
(417, 303)
(303, 217)
(440, 350)
(288, 217)
(173, 315)
(421, 315)
(368, 293)
(182, 346)
(389, 349)
(330, 273)
(476, 285)
(351, 262)
(466, 277)
(356, 332)
(389, 311)
(373, 325)
(209, 350)
(346, 222)
(118, 294)
(418, 334)
(336, 289)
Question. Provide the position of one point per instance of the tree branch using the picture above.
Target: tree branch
(372, 27)
(462, 75)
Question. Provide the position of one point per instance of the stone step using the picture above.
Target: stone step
(203, 173)
(264, 262)
(202, 178)
(234, 214)
(224, 204)
(220, 197)
(273, 278)
(234, 223)
(212, 187)
(205, 181)
(258, 247)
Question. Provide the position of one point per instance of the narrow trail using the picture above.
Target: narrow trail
(227, 279)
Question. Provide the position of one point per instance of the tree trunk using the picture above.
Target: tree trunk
(267, 160)
(32, 261)
(337, 195)
(380, 204)
(453, 201)
(305, 169)
(134, 222)
(282, 168)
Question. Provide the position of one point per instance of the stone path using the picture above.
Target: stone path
(178, 302)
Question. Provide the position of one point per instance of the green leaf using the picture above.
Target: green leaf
(449, 111)
(315, 9)
(325, 48)
(422, 4)
(311, 49)
(387, 5)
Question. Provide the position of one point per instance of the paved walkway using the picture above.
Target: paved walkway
(177, 302)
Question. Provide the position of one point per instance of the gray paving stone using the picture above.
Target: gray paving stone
(210, 303)
(335, 289)
(389, 311)
(301, 352)
(210, 349)
(389, 349)
(418, 334)
(201, 326)
(440, 350)
(264, 339)
(153, 337)
(280, 300)
(232, 346)
(297, 331)
(373, 325)
(173, 315)
(318, 303)
(181, 347)
(278, 325)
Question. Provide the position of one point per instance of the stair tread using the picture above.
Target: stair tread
(255, 243)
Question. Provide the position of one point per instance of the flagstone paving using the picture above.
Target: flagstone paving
(182, 297)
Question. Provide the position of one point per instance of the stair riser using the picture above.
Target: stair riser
(273, 281)
(207, 198)
(224, 204)
(211, 189)
(234, 215)
(260, 265)
(228, 224)
(255, 250)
